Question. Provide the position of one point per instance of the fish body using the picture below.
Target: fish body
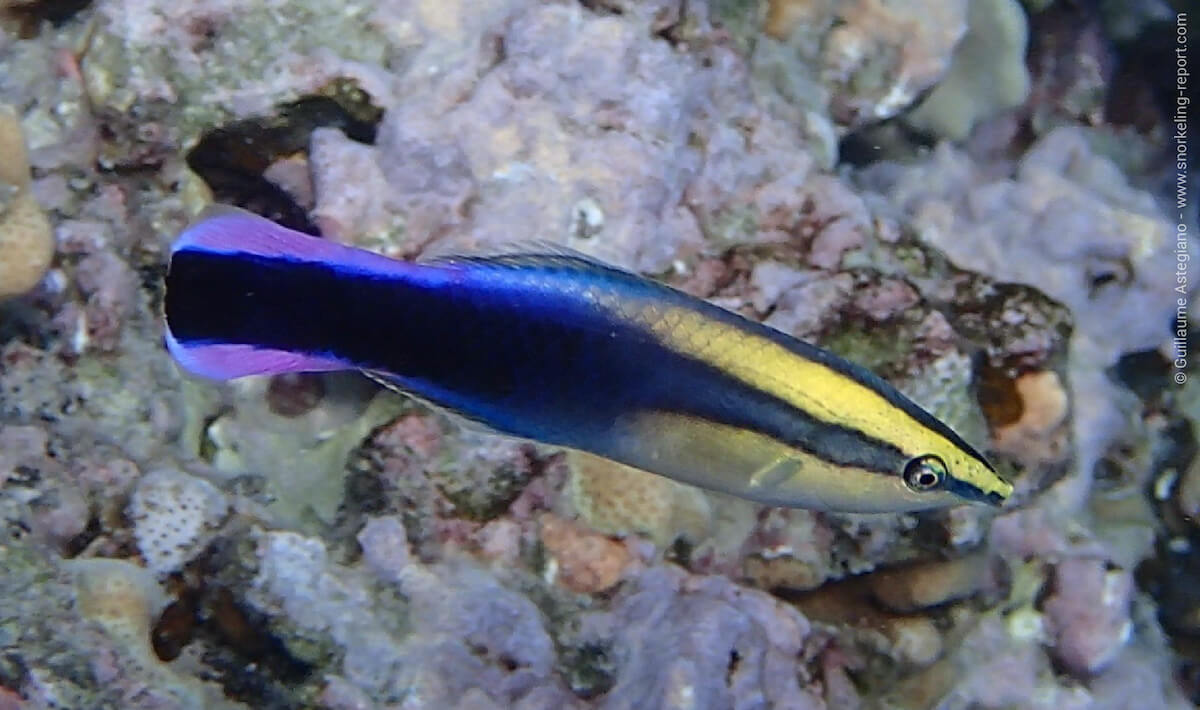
(559, 348)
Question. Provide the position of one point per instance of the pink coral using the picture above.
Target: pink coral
(1087, 613)
(385, 547)
(704, 642)
(886, 299)
(110, 288)
(500, 540)
(354, 202)
(587, 562)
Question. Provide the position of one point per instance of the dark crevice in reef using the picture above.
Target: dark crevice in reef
(1143, 90)
(604, 7)
(1169, 575)
(27, 16)
(1088, 66)
(22, 322)
(232, 158)
(250, 662)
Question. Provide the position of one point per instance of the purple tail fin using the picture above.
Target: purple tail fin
(223, 361)
(228, 230)
(212, 338)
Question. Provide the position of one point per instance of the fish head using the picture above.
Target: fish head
(934, 473)
(953, 474)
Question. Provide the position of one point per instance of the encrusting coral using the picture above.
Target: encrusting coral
(123, 599)
(172, 515)
(620, 500)
(583, 561)
(869, 59)
(987, 74)
(26, 239)
(1070, 224)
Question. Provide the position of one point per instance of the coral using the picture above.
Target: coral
(585, 562)
(123, 599)
(1075, 71)
(456, 485)
(794, 551)
(618, 500)
(27, 16)
(1087, 614)
(109, 288)
(783, 572)
(458, 632)
(14, 173)
(784, 16)
(531, 171)
(873, 58)
(145, 54)
(903, 639)
(100, 402)
(1188, 494)
(260, 163)
(1036, 433)
(385, 547)
(1068, 223)
(886, 299)
(295, 394)
(121, 596)
(19, 445)
(173, 514)
(26, 239)
(61, 653)
(54, 496)
(103, 287)
(303, 457)
(60, 516)
(986, 76)
(500, 541)
(1081, 609)
(684, 641)
(1000, 663)
(354, 202)
(482, 474)
(920, 586)
(811, 306)
(371, 561)
(990, 667)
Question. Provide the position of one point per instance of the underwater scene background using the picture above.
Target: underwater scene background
(987, 203)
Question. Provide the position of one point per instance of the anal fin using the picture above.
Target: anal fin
(394, 384)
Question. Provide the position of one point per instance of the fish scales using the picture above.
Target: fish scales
(568, 351)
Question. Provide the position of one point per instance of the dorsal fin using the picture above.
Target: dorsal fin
(537, 252)
(224, 229)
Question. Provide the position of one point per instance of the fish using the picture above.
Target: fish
(545, 344)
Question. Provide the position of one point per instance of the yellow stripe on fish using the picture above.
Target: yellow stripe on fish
(830, 395)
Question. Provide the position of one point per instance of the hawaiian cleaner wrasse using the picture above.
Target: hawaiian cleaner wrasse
(562, 349)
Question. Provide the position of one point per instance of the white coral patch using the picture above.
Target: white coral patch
(173, 514)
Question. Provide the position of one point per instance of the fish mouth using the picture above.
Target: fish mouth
(996, 500)
(974, 494)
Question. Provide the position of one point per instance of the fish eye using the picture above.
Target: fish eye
(925, 473)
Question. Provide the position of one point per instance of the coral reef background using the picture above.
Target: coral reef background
(974, 198)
